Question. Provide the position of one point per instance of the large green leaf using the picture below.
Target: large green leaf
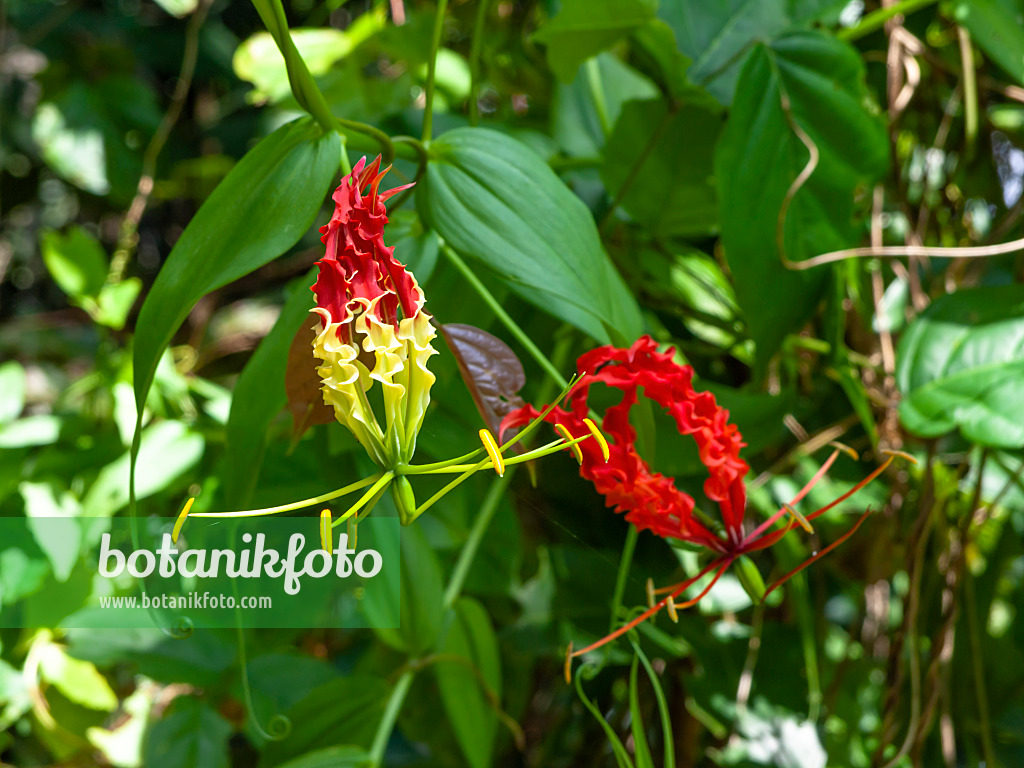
(666, 159)
(961, 364)
(473, 718)
(263, 206)
(998, 27)
(192, 735)
(584, 28)
(718, 35)
(759, 156)
(496, 201)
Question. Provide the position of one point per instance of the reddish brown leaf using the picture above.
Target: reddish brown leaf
(491, 370)
(302, 383)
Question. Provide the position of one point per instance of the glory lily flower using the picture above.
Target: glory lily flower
(372, 324)
(651, 501)
(373, 328)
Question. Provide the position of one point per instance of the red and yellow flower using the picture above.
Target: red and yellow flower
(372, 324)
(651, 501)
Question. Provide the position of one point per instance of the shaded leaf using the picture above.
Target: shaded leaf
(343, 711)
(824, 81)
(996, 25)
(191, 735)
(584, 28)
(665, 158)
(471, 712)
(960, 364)
(718, 35)
(491, 370)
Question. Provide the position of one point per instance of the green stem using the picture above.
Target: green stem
(297, 504)
(502, 315)
(387, 722)
(597, 94)
(482, 7)
(876, 19)
(476, 535)
(620, 580)
(428, 107)
(970, 91)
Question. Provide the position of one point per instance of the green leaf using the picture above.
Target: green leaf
(167, 450)
(665, 158)
(115, 302)
(76, 262)
(193, 735)
(60, 539)
(577, 126)
(584, 28)
(495, 201)
(717, 35)
(421, 595)
(346, 710)
(259, 61)
(32, 430)
(259, 396)
(996, 25)
(78, 680)
(472, 716)
(759, 156)
(332, 757)
(961, 365)
(261, 209)
(178, 8)
(13, 384)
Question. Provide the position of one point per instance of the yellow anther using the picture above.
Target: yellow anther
(325, 529)
(181, 520)
(670, 606)
(491, 446)
(567, 436)
(901, 454)
(568, 664)
(599, 436)
(650, 592)
(799, 517)
(845, 449)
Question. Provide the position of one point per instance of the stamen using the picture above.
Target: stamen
(650, 592)
(798, 516)
(568, 664)
(567, 436)
(599, 436)
(845, 449)
(818, 555)
(901, 454)
(670, 605)
(181, 520)
(491, 446)
(325, 529)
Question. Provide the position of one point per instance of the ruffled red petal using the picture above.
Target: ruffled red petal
(650, 500)
(357, 268)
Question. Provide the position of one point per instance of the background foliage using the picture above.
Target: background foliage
(588, 170)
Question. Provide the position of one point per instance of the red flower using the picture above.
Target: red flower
(650, 500)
